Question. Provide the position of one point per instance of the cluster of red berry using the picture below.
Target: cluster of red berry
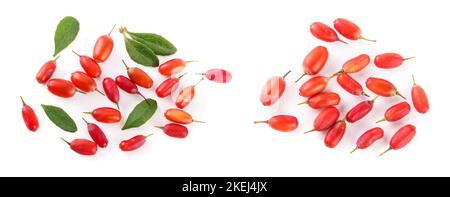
(314, 89)
(85, 82)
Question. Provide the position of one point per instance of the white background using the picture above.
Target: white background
(255, 40)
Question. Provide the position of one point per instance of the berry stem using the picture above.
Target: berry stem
(366, 39)
(300, 77)
(85, 121)
(414, 80)
(65, 141)
(23, 101)
(385, 152)
(284, 76)
(342, 41)
(118, 107)
(408, 58)
(159, 127)
(114, 26)
(310, 131)
(182, 76)
(76, 53)
(126, 66)
(146, 136)
(90, 113)
(57, 57)
(199, 81)
(79, 91)
(198, 121)
(302, 103)
(262, 121)
(355, 149)
(366, 95)
(382, 120)
(99, 91)
(373, 100)
(190, 61)
(400, 95)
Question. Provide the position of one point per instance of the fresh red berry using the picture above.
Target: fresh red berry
(396, 112)
(103, 47)
(419, 98)
(323, 100)
(335, 134)
(314, 61)
(350, 85)
(83, 82)
(133, 143)
(173, 67)
(179, 116)
(111, 90)
(106, 115)
(368, 138)
(401, 138)
(46, 71)
(29, 117)
(61, 88)
(82, 146)
(313, 86)
(186, 96)
(324, 32)
(389, 60)
(360, 111)
(168, 86)
(326, 119)
(175, 130)
(138, 76)
(89, 65)
(97, 134)
(349, 29)
(356, 64)
(382, 87)
(283, 123)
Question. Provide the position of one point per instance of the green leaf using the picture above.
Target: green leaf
(140, 53)
(141, 114)
(157, 43)
(66, 32)
(60, 118)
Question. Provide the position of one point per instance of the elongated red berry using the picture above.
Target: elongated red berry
(97, 134)
(46, 71)
(89, 65)
(356, 64)
(173, 67)
(103, 47)
(217, 75)
(168, 86)
(326, 119)
(133, 143)
(360, 111)
(349, 29)
(82, 146)
(382, 87)
(106, 115)
(419, 98)
(273, 90)
(111, 90)
(283, 123)
(335, 134)
(138, 76)
(29, 117)
(368, 138)
(174, 130)
(314, 61)
(83, 82)
(186, 96)
(313, 86)
(401, 138)
(350, 85)
(396, 112)
(128, 86)
(323, 100)
(324, 32)
(389, 60)
(179, 116)
(61, 88)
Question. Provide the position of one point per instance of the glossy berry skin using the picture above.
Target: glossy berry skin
(179, 116)
(348, 29)
(283, 123)
(172, 67)
(106, 115)
(61, 88)
(326, 119)
(389, 60)
(83, 82)
(46, 71)
(359, 111)
(29, 117)
(103, 48)
(138, 76)
(323, 100)
(350, 85)
(218, 75)
(126, 85)
(401, 138)
(396, 112)
(368, 138)
(167, 87)
(83, 146)
(382, 87)
(313, 86)
(419, 98)
(111, 90)
(97, 134)
(314, 61)
(90, 66)
(335, 134)
(132, 143)
(175, 130)
(356, 64)
(324, 32)
(273, 90)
